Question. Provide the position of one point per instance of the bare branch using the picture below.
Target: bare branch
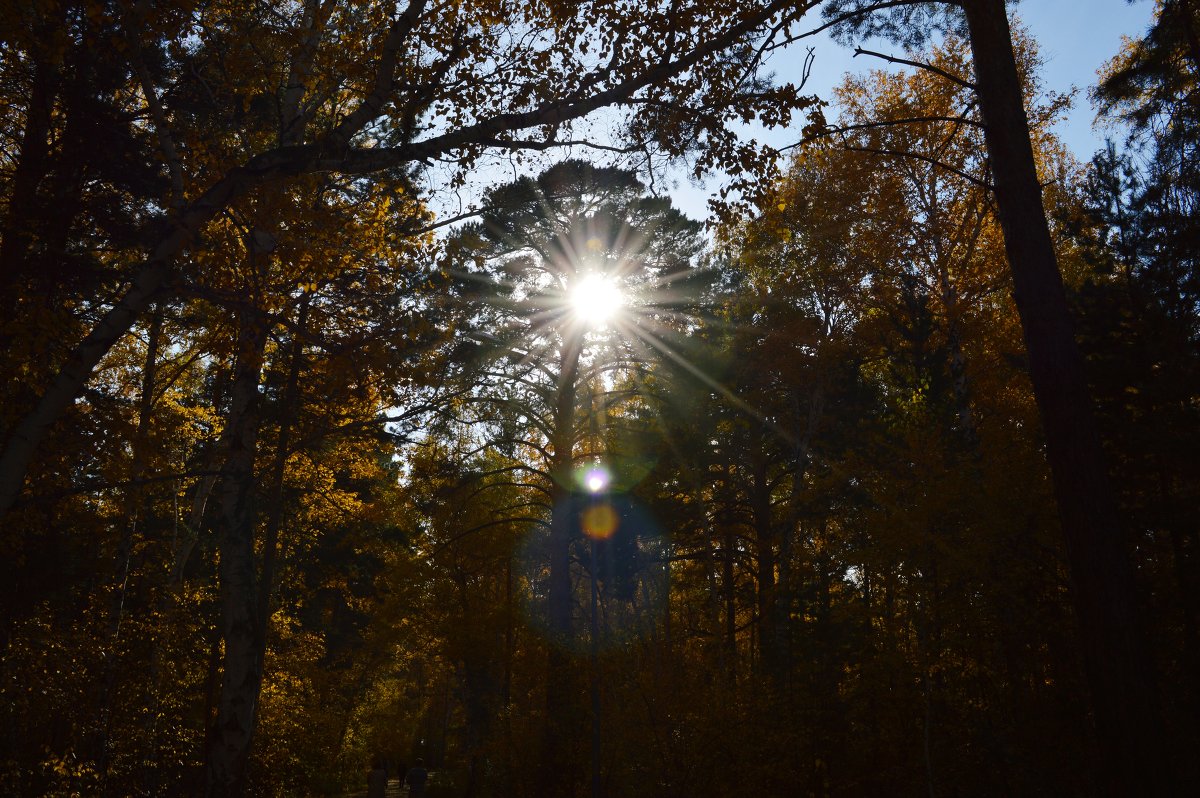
(958, 120)
(539, 146)
(950, 76)
(849, 15)
(918, 156)
(508, 484)
(486, 525)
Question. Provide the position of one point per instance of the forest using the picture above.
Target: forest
(366, 399)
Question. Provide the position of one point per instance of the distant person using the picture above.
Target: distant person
(377, 780)
(416, 778)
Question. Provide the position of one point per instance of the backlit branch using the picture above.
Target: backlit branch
(918, 64)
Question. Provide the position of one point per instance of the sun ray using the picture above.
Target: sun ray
(696, 371)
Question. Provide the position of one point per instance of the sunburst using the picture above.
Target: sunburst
(596, 300)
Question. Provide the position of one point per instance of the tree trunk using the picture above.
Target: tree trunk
(182, 549)
(785, 594)
(134, 510)
(727, 584)
(229, 746)
(947, 289)
(1128, 723)
(559, 771)
(509, 634)
(31, 167)
(1184, 550)
(1186, 17)
(764, 532)
(288, 407)
(147, 283)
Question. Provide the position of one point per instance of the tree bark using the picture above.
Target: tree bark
(289, 404)
(288, 407)
(28, 174)
(765, 537)
(728, 542)
(945, 283)
(560, 469)
(135, 508)
(1129, 727)
(229, 746)
(1186, 16)
(147, 283)
(559, 768)
(785, 593)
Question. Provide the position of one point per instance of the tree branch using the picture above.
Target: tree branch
(832, 131)
(950, 76)
(162, 130)
(900, 154)
(385, 76)
(97, 486)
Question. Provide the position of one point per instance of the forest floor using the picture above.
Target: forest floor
(394, 790)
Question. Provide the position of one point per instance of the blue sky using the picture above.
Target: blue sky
(1075, 37)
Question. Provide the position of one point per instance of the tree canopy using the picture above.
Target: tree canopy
(367, 401)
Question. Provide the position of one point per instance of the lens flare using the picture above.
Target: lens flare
(631, 557)
(596, 479)
(600, 521)
(596, 300)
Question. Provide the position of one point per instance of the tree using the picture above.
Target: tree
(320, 500)
(540, 242)
(1130, 731)
(250, 111)
(1151, 85)
(1139, 313)
(899, 520)
(425, 83)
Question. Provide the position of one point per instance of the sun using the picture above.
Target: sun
(596, 480)
(596, 300)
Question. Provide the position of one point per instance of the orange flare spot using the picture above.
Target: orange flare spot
(599, 521)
